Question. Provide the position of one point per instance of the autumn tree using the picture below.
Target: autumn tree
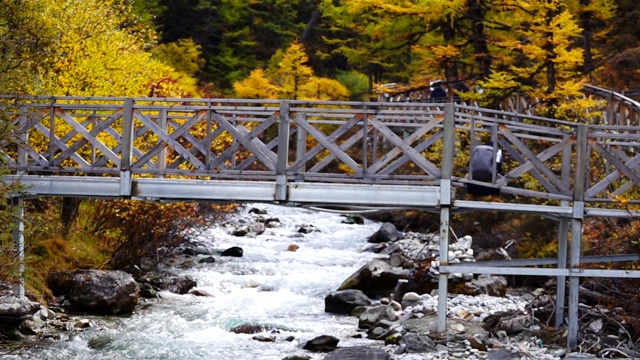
(26, 37)
(290, 78)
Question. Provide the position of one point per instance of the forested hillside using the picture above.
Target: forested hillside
(296, 49)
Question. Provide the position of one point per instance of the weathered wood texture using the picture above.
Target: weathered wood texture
(347, 142)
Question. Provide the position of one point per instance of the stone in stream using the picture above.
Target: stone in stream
(234, 251)
(345, 301)
(322, 343)
(97, 291)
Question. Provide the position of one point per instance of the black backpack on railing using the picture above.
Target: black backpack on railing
(482, 165)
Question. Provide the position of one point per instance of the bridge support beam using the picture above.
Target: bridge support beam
(18, 243)
(563, 240)
(561, 281)
(445, 212)
(576, 233)
(283, 153)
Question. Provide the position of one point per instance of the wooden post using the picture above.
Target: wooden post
(282, 162)
(445, 208)
(162, 155)
(576, 233)
(301, 142)
(52, 132)
(127, 148)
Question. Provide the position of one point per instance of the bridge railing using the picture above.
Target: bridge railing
(350, 142)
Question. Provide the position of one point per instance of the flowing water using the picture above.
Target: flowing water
(267, 286)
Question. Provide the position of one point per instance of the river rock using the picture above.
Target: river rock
(353, 219)
(357, 353)
(362, 276)
(177, 285)
(414, 343)
(97, 291)
(386, 233)
(14, 310)
(376, 314)
(322, 343)
(493, 285)
(344, 301)
(234, 251)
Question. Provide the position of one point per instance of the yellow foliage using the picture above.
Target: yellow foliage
(256, 86)
(95, 55)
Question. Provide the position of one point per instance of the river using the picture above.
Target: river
(268, 285)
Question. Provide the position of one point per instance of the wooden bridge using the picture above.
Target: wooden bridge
(351, 155)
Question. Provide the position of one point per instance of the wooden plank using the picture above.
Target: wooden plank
(228, 152)
(538, 164)
(616, 161)
(164, 136)
(355, 138)
(413, 155)
(393, 153)
(170, 140)
(301, 161)
(328, 144)
(241, 134)
(403, 159)
(613, 176)
(100, 127)
(88, 136)
(543, 156)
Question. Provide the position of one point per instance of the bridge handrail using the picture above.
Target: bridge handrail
(313, 141)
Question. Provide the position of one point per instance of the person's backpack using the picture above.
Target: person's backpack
(481, 167)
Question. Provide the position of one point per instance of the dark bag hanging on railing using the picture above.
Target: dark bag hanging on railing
(482, 166)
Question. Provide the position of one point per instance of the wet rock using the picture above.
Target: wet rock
(254, 329)
(177, 285)
(376, 279)
(207, 260)
(199, 292)
(99, 342)
(322, 343)
(257, 211)
(376, 314)
(14, 310)
(272, 223)
(345, 301)
(263, 338)
(358, 353)
(97, 291)
(307, 229)
(194, 250)
(353, 219)
(234, 251)
(148, 292)
(386, 233)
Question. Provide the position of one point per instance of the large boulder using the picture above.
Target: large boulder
(344, 301)
(386, 233)
(14, 310)
(376, 279)
(97, 291)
